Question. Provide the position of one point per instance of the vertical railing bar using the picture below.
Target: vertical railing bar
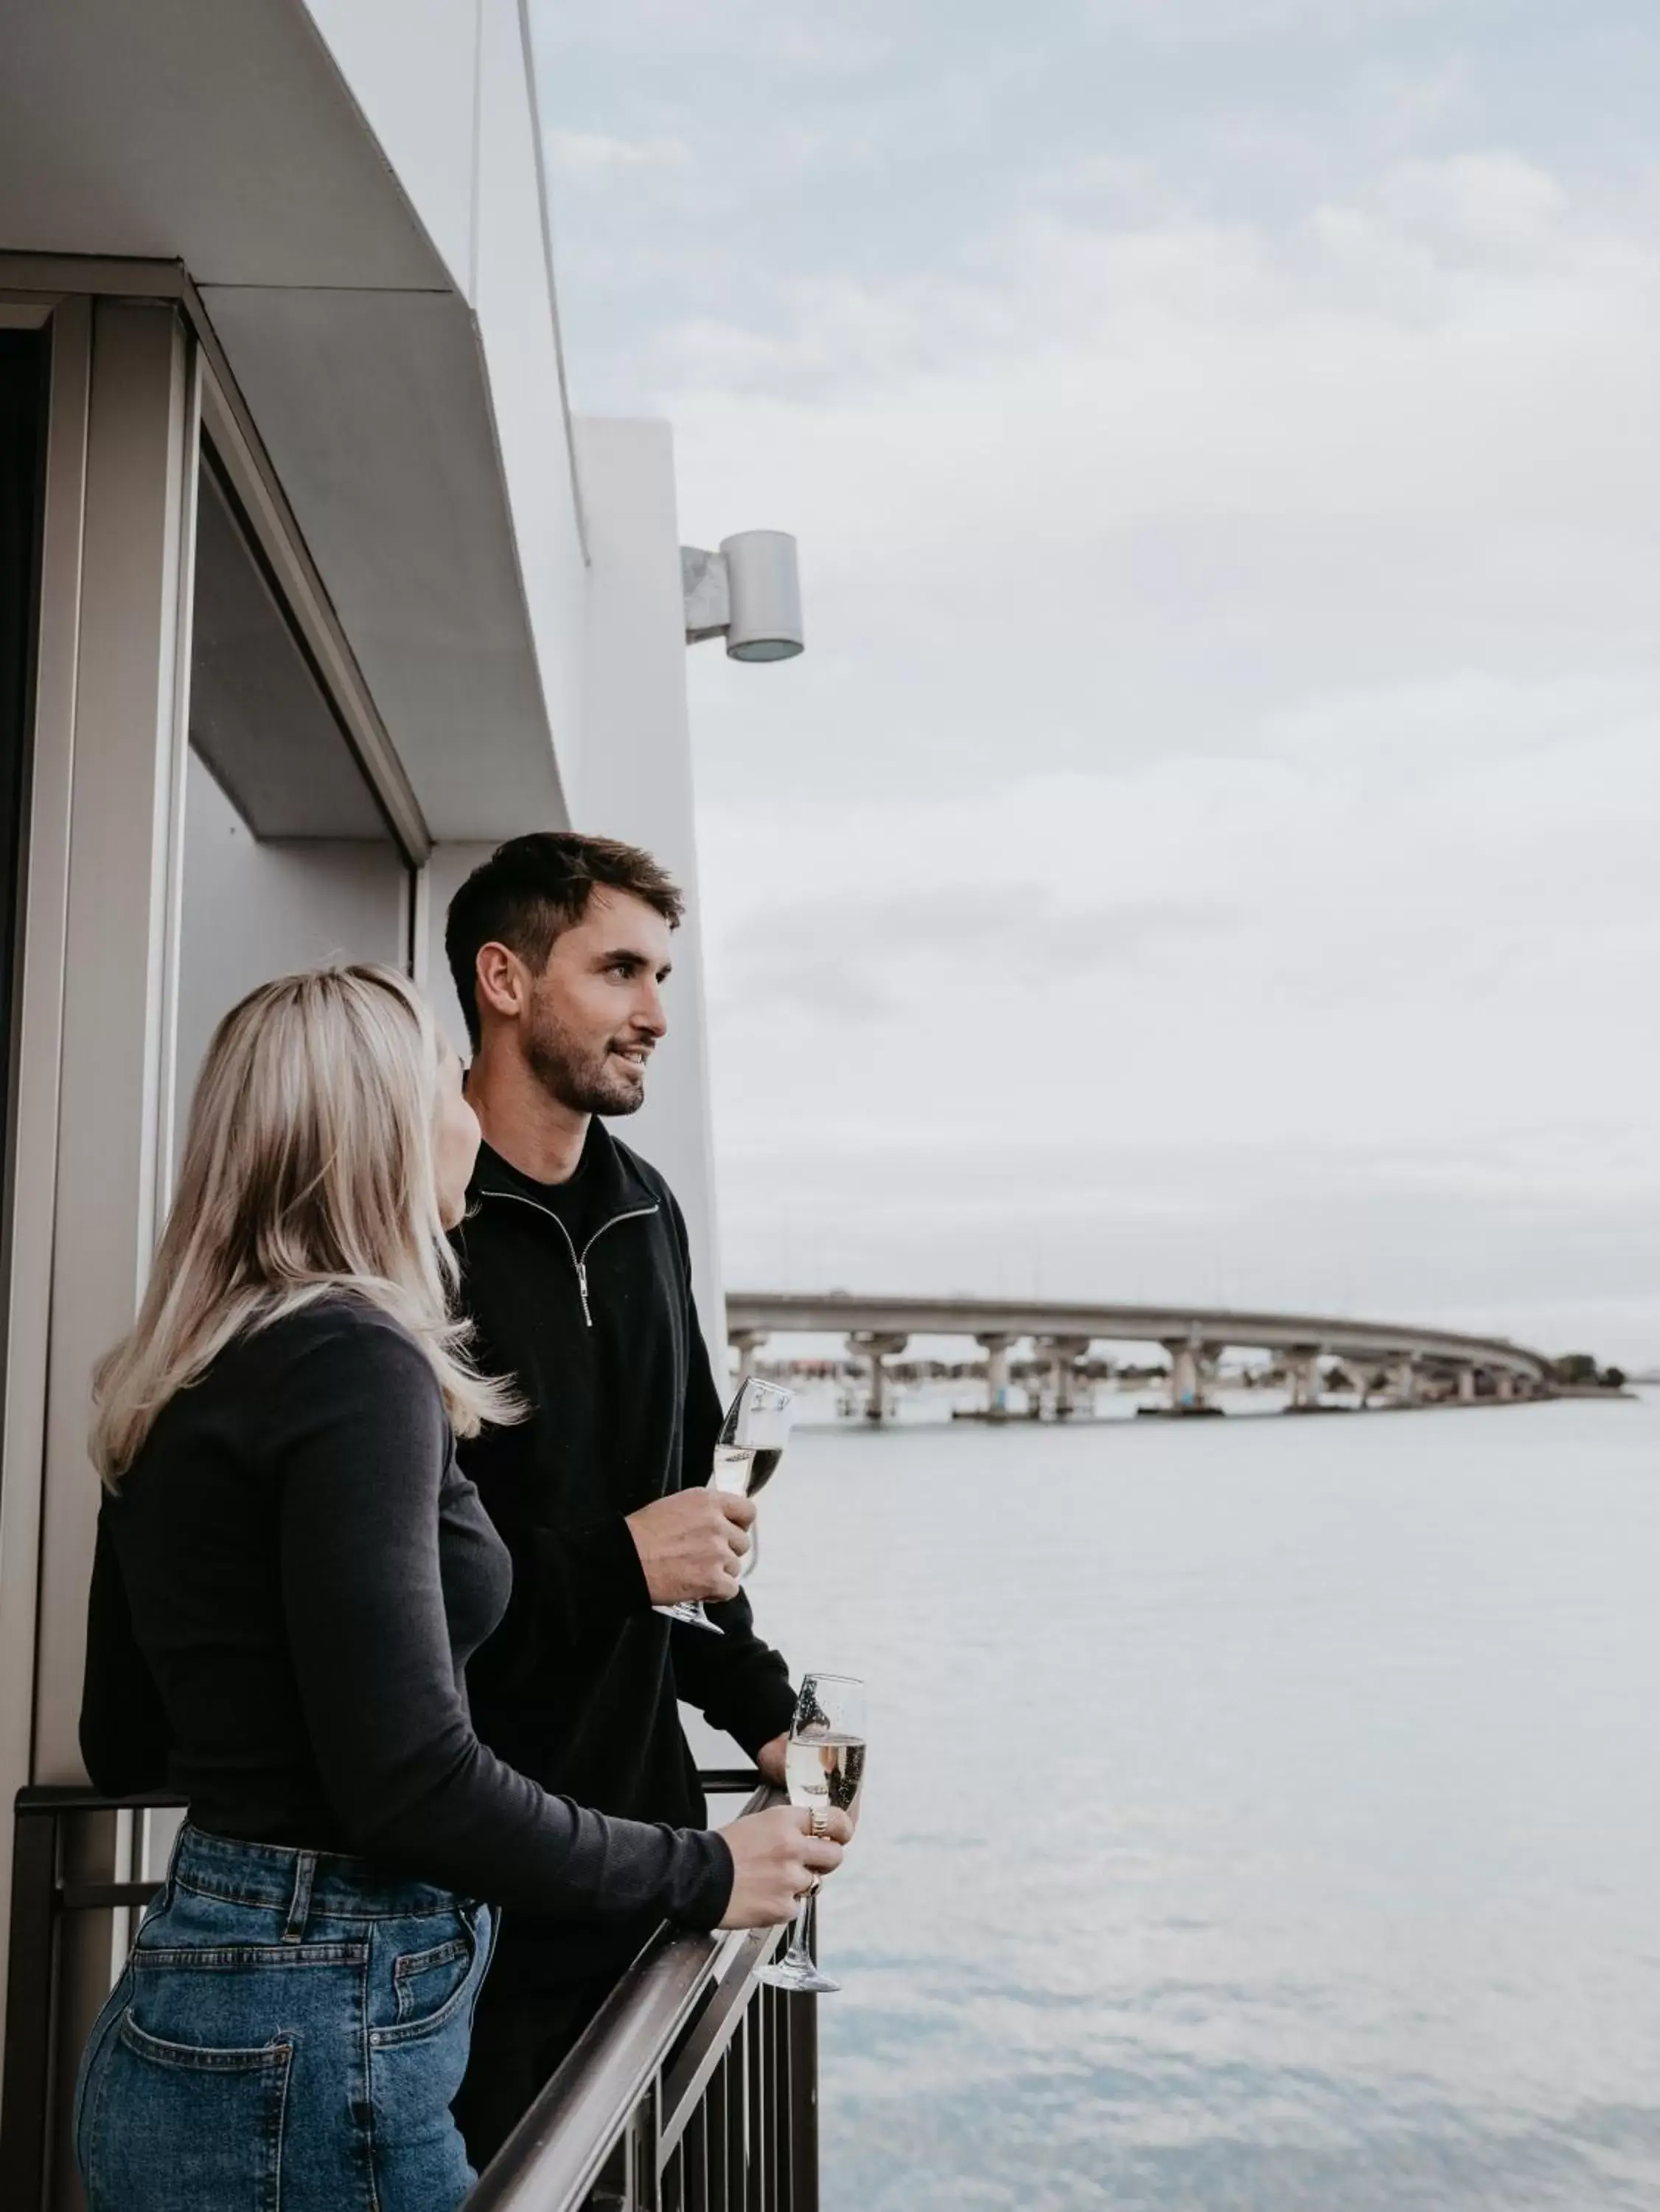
(775, 2197)
(690, 2148)
(711, 2150)
(786, 2097)
(737, 2149)
(760, 2120)
(746, 2106)
(714, 2135)
(803, 2104)
(651, 2147)
(764, 2007)
(753, 2102)
(31, 1979)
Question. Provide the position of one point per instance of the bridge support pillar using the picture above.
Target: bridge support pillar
(1466, 1386)
(1504, 1384)
(864, 1344)
(1062, 1353)
(1303, 1377)
(996, 1349)
(1403, 1382)
(1189, 1365)
(746, 1342)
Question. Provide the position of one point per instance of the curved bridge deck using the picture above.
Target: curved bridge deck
(1464, 1366)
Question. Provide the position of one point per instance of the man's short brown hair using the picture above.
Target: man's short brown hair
(531, 889)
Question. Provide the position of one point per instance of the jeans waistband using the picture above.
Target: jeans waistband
(300, 1883)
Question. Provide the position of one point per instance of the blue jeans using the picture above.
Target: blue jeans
(287, 2037)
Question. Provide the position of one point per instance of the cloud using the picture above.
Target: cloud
(859, 956)
(1184, 23)
(586, 153)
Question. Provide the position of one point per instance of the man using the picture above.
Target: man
(577, 1276)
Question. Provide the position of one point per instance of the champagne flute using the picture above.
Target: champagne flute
(823, 1766)
(751, 1444)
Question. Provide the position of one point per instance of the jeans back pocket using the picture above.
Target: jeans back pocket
(167, 2126)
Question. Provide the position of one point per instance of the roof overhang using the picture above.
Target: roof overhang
(418, 430)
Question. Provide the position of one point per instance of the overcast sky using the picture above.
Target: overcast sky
(1211, 846)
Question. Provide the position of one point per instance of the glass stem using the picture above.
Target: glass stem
(798, 1954)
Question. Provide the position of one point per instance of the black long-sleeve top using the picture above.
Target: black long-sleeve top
(288, 1583)
(583, 1293)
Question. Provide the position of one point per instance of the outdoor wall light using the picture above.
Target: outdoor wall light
(749, 592)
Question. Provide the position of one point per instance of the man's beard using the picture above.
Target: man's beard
(578, 1078)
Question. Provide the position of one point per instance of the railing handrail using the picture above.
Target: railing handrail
(82, 1797)
(558, 2150)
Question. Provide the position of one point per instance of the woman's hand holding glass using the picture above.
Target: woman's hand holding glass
(776, 1860)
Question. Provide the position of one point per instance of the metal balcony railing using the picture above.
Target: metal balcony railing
(694, 2088)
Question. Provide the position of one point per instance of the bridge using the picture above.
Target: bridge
(1420, 1365)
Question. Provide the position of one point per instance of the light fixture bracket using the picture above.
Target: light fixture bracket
(706, 591)
(748, 592)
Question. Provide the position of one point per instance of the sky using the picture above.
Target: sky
(1210, 848)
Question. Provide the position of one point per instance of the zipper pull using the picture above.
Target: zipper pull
(582, 1285)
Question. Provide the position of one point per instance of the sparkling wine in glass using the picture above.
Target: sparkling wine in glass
(751, 1444)
(823, 1766)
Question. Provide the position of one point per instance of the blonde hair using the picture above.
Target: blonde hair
(308, 1172)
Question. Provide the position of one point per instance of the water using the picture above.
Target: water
(1261, 1815)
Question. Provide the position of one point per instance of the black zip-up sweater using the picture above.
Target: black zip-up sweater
(578, 1686)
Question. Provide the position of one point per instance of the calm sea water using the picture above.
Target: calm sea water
(1261, 1815)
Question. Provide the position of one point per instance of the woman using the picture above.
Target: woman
(290, 1576)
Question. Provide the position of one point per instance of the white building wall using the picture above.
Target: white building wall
(252, 910)
(412, 67)
(448, 867)
(517, 321)
(636, 784)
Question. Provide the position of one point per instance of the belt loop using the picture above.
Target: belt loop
(299, 1904)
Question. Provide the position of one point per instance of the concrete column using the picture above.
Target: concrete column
(1403, 1382)
(996, 1349)
(1303, 1376)
(1504, 1383)
(864, 1345)
(1062, 1353)
(103, 984)
(1466, 1386)
(746, 1342)
(1189, 1363)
